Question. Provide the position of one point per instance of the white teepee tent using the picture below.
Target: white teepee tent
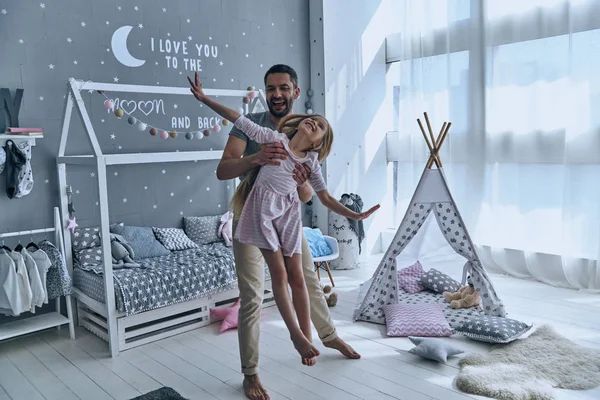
(432, 196)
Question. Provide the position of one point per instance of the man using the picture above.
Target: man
(240, 156)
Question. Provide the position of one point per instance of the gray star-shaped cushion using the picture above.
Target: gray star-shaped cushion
(433, 349)
(439, 282)
(487, 328)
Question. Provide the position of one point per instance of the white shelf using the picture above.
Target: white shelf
(32, 324)
(18, 139)
(144, 158)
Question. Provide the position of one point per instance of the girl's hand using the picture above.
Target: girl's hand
(366, 214)
(196, 88)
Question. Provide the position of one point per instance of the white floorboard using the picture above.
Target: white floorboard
(204, 364)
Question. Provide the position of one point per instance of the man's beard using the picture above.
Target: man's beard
(284, 112)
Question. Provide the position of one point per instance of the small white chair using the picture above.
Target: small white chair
(323, 262)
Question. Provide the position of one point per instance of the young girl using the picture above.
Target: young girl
(270, 218)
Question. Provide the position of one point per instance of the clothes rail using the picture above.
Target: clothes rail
(25, 233)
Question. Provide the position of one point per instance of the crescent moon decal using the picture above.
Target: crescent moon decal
(120, 50)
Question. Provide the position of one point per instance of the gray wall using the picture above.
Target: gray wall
(41, 47)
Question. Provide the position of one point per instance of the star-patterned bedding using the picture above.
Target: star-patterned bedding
(160, 281)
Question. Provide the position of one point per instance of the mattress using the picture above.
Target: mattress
(159, 281)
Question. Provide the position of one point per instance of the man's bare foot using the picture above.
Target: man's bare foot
(254, 389)
(304, 347)
(343, 347)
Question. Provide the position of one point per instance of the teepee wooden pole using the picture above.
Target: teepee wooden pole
(440, 141)
(433, 141)
(431, 150)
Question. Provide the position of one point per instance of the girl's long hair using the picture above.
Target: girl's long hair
(289, 126)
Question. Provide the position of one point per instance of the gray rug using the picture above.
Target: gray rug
(164, 393)
(529, 369)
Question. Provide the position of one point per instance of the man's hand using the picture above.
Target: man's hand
(301, 173)
(270, 154)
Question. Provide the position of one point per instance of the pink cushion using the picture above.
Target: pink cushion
(423, 319)
(229, 316)
(408, 278)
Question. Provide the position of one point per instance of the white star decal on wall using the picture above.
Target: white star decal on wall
(207, 189)
(92, 174)
(116, 79)
(4, 11)
(97, 203)
(172, 194)
(136, 8)
(107, 50)
(227, 186)
(243, 33)
(154, 206)
(145, 187)
(292, 19)
(69, 40)
(189, 38)
(102, 120)
(272, 23)
(175, 106)
(82, 23)
(261, 65)
(119, 8)
(125, 200)
(247, 55)
(180, 212)
(214, 79)
(219, 205)
(168, 34)
(113, 136)
(226, 45)
(20, 40)
(42, 5)
(42, 98)
(191, 200)
(75, 62)
(258, 26)
(46, 181)
(291, 45)
(221, 63)
(163, 171)
(116, 173)
(164, 9)
(77, 191)
(141, 26)
(51, 66)
(102, 62)
(107, 23)
(188, 177)
(120, 147)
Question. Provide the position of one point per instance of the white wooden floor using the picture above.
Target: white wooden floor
(205, 364)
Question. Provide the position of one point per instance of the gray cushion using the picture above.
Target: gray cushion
(142, 241)
(202, 230)
(433, 349)
(85, 238)
(439, 282)
(486, 328)
(174, 238)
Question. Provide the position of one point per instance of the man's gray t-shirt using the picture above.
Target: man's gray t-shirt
(261, 119)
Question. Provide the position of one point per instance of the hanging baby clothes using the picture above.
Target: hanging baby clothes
(2, 159)
(58, 280)
(10, 298)
(22, 282)
(35, 282)
(42, 262)
(15, 160)
(25, 179)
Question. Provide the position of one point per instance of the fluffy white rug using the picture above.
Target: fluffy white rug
(529, 369)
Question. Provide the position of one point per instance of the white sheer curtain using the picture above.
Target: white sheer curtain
(520, 81)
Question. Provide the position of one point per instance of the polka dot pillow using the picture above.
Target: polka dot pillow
(203, 230)
(439, 282)
(408, 278)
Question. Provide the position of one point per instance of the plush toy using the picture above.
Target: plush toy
(330, 297)
(226, 227)
(466, 296)
(122, 252)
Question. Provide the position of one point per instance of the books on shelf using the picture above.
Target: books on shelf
(24, 131)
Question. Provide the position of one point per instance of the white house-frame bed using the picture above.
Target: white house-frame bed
(123, 331)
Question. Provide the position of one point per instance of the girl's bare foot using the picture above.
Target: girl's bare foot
(343, 347)
(304, 347)
(309, 361)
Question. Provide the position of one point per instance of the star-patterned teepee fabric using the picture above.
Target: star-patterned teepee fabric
(384, 282)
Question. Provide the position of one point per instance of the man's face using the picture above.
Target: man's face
(281, 94)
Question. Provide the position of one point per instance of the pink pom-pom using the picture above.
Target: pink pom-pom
(164, 135)
(108, 104)
(217, 128)
(252, 95)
